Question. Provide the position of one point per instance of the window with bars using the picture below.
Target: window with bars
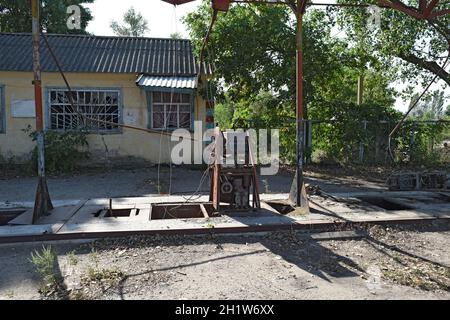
(94, 110)
(171, 110)
(2, 111)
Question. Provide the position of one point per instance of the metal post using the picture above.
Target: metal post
(298, 194)
(42, 204)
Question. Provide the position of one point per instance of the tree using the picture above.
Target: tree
(135, 25)
(15, 16)
(176, 35)
(430, 107)
(415, 45)
(252, 49)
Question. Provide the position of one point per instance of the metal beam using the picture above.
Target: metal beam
(297, 194)
(43, 204)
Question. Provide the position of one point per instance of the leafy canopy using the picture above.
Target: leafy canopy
(15, 16)
(417, 47)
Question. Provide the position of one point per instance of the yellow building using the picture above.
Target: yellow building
(141, 82)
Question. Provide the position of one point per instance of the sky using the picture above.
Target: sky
(165, 19)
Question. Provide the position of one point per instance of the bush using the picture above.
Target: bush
(63, 150)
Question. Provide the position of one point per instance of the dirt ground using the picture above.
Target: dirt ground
(403, 262)
(389, 263)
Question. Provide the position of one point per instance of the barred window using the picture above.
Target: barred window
(94, 110)
(2, 112)
(171, 110)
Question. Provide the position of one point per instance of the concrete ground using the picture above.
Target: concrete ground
(390, 263)
(144, 182)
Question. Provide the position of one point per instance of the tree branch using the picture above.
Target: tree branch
(398, 5)
(431, 66)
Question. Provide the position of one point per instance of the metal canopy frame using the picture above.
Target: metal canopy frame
(425, 11)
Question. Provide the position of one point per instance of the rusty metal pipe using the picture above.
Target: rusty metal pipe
(43, 203)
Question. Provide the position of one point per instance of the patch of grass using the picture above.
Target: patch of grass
(94, 256)
(101, 279)
(73, 260)
(45, 262)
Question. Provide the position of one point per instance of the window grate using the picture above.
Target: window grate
(95, 110)
(171, 110)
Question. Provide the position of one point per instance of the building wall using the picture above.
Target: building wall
(130, 143)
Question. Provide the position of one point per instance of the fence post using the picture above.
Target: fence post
(361, 144)
(307, 140)
(310, 140)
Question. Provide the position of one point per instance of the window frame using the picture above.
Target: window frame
(149, 94)
(118, 130)
(2, 110)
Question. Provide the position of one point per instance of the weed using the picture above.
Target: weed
(45, 262)
(94, 256)
(103, 279)
(73, 260)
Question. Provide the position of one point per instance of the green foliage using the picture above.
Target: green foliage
(63, 150)
(15, 16)
(135, 25)
(340, 138)
(430, 107)
(223, 114)
(176, 35)
(416, 144)
(45, 263)
(402, 40)
(255, 79)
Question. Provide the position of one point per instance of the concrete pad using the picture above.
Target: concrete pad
(24, 231)
(89, 217)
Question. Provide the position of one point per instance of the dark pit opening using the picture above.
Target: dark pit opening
(385, 203)
(282, 208)
(115, 213)
(8, 215)
(181, 211)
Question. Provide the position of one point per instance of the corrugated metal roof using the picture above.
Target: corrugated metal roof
(167, 82)
(79, 53)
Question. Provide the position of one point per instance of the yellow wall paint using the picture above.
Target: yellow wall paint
(149, 146)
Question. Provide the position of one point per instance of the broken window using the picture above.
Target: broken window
(171, 110)
(2, 112)
(93, 110)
